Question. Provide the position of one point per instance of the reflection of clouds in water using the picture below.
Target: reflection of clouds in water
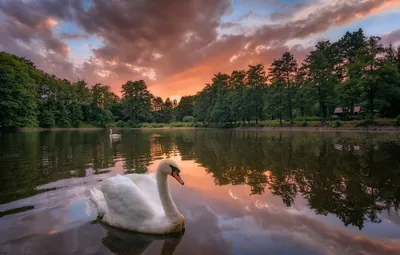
(278, 230)
(220, 220)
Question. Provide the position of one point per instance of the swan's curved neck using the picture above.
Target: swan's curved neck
(165, 196)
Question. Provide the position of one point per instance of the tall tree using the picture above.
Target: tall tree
(305, 96)
(398, 58)
(255, 83)
(202, 104)
(275, 97)
(136, 101)
(185, 107)
(370, 65)
(168, 110)
(237, 95)
(321, 76)
(220, 107)
(289, 69)
(101, 101)
(17, 93)
(390, 54)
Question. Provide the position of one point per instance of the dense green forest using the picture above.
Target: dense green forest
(354, 71)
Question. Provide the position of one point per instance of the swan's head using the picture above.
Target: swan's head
(169, 167)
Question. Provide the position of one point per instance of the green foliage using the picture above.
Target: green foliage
(76, 115)
(163, 112)
(120, 124)
(131, 123)
(136, 101)
(354, 71)
(398, 120)
(365, 123)
(256, 81)
(185, 107)
(338, 123)
(308, 118)
(319, 66)
(188, 119)
(17, 93)
(304, 124)
(46, 119)
(64, 123)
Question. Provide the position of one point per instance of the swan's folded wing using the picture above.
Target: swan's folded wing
(125, 198)
(148, 185)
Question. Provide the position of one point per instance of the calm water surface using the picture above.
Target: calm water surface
(245, 192)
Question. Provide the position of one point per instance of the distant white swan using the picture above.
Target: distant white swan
(114, 136)
(140, 202)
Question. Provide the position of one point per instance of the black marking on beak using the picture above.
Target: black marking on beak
(175, 173)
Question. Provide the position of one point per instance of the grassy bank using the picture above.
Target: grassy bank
(304, 123)
(298, 124)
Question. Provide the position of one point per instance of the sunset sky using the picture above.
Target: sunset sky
(177, 46)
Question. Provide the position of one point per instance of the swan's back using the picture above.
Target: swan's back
(147, 183)
(133, 202)
(125, 204)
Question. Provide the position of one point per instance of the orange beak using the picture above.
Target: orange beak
(175, 174)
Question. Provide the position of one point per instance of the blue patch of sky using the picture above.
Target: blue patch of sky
(377, 25)
(260, 13)
(69, 27)
(81, 48)
(259, 16)
(87, 4)
(241, 8)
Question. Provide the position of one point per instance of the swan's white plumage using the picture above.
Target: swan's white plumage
(114, 136)
(147, 183)
(134, 202)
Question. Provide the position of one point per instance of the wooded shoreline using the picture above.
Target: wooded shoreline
(352, 82)
(307, 129)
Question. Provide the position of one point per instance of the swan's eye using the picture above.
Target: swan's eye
(174, 169)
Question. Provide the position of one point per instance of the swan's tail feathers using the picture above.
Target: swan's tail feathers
(97, 197)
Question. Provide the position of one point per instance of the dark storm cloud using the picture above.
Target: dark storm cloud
(134, 31)
(168, 38)
(28, 21)
(32, 13)
(319, 21)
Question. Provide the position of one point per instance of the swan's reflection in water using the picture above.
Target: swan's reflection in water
(123, 242)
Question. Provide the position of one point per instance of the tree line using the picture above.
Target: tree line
(30, 97)
(354, 71)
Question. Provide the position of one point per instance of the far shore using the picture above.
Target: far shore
(267, 128)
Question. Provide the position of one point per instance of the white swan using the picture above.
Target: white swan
(140, 202)
(114, 136)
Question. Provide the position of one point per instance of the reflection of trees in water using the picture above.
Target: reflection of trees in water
(136, 151)
(351, 176)
(354, 183)
(31, 159)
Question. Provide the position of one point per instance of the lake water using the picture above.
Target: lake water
(245, 192)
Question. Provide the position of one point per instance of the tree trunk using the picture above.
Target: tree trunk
(280, 107)
(371, 103)
(290, 111)
(322, 107)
